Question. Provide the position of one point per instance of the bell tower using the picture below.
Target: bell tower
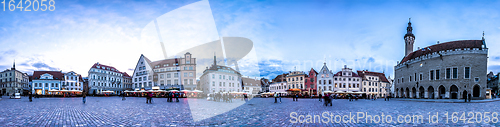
(409, 39)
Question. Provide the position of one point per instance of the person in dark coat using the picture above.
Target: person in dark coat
(30, 96)
(177, 94)
(320, 97)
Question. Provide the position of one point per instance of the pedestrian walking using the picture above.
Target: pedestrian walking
(177, 94)
(320, 97)
(275, 97)
(279, 95)
(30, 96)
(123, 96)
(246, 97)
(84, 98)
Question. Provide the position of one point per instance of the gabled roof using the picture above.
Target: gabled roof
(171, 62)
(461, 44)
(324, 68)
(313, 71)
(381, 76)
(106, 67)
(57, 75)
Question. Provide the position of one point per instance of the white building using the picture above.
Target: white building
(105, 78)
(324, 80)
(347, 81)
(46, 81)
(175, 73)
(13, 81)
(278, 87)
(220, 78)
(374, 83)
(72, 81)
(251, 86)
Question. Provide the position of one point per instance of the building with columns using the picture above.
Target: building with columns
(13, 81)
(451, 70)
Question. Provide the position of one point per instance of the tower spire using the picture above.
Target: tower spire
(14, 65)
(215, 60)
(409, 39)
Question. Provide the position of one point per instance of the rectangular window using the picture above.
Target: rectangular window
(420, 77)
(169, 82)
(185, 74)
(185, 81)
(169, 75)
(431, 75)
(455, 73)
(176, 75)
(467, 72)
(437, 74)
(415, 76)
(448, 73)
(410, 79)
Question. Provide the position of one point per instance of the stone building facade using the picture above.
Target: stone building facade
(444, 70)
(13, 81)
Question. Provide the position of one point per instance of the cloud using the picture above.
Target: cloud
(270, 68)
(43, 66)
(494, 68)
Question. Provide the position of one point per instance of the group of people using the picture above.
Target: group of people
(276, 96)
(172, 95)
(222, 97)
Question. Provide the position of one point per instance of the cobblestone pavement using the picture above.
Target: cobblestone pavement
(112, 111)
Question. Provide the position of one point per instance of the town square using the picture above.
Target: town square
(249, 63)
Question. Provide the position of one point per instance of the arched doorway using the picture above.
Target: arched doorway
(464, 94)
(430, 92)
(454, 92)
(397, 92)
(442, 92)
(476, 91)
(407, 92)
(413, 92)
(401, 93)
(421, 93)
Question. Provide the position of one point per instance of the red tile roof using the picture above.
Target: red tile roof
(109, 68)
(461, 44)
(126, 75)
(58, 75)
(381, 76)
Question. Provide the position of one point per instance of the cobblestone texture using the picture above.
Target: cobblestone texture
(112, 111)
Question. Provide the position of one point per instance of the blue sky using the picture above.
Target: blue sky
(286, 34)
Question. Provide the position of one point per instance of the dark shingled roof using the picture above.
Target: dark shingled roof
(461, 44)
(57, 75)
(381, 76)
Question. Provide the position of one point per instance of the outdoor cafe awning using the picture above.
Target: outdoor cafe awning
(293, 90)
